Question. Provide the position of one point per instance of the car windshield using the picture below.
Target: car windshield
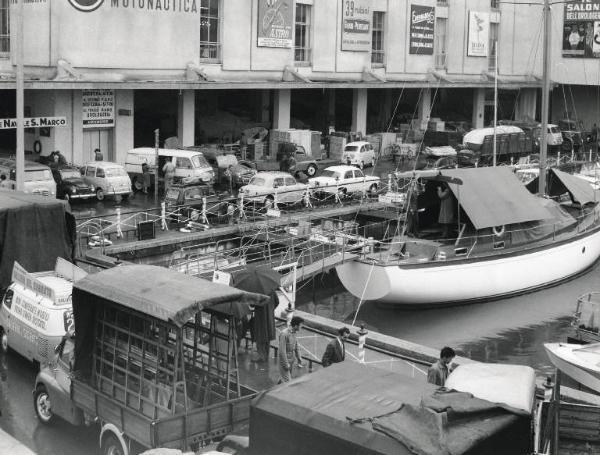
(115, 172)
(554, 129)
(70, 174)
(194, 193)
(351, 148)
(199, 161)
(37, 175)
(172, 193)
(332, 174)
(258, 181)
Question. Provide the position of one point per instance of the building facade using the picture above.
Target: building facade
(203, 70)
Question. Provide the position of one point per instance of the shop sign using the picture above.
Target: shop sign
(357, 17)
(98, 108)
(33, 122)
(167, 6)
(581, 29)
(275, 19)
(479, 31)
(422, 25)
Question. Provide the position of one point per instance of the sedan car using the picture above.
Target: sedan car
(266, 186)
(70, 184)
(344, 180)
(185, 202)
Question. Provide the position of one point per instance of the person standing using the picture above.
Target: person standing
(98, 155)
(412, 211)
(145, 177)
(439, 371)
(446, 217)
(229, 177)
(288, 349)
(243, 145)
(169, 171)
(336, 349)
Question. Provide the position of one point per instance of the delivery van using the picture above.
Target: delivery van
(190, 165)
(36, 310)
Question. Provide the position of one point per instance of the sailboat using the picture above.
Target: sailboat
(581, 363)
(506, 240)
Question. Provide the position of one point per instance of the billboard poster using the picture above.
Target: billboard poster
(581, 29)
(98, 107)
(479, 32)
(422, 23)
(275, 20)
(357, 21)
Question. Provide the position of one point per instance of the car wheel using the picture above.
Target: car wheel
(137, 184)
(112, 446)
(100, 194)
(42, 405)
(269, 202)
(311, 170)
(3, 341)
(342, 193)
(125, 196)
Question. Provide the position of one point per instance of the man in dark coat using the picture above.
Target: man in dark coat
(336, 349)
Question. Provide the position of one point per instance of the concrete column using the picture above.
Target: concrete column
(123, 131)
(63, 137)
(263, 106)
(526, 104)
(478, 108)
(77, 127)
(424, 108)
(331, 106)
(387, 108)
(281, 109)
(186, 117)
(359, 110)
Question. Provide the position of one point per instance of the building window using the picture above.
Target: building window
(493, 45)
(377, 52)
(302, 37)
(495, 4)
(210, 45)
(440, 42)
(4, 28)
(442, 2)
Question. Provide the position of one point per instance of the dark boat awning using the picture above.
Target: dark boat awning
(494, 196)
(580, 190)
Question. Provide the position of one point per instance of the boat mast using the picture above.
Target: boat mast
(545, 96)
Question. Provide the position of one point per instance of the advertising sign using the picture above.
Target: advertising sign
(98, 108)
(33, 122)
(357, 18)
(275, 20)
(479, 31)
(581, 29)
(422, 25)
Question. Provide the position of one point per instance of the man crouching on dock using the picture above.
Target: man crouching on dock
(439, 371)
(288, 349)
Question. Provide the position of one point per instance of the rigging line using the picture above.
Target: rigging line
(396, 108)
(535, 46)
(363, 293)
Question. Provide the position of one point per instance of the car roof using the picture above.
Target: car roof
(103, 164)
(357, 143)
(341, 168)
(31, 165)
(273, 173)
(173, 152)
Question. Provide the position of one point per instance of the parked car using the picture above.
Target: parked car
(571, 134)
(184, 202)
(70, 184)
(38, 177)
(265, 186)
(345, 180)
(359, 153)
(242, 171)
(108, 179)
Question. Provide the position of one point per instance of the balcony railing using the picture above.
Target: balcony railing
(210, 52)
(302, 56)
(440, 61)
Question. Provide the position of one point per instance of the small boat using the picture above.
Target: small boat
(507, 241)
(586, 319)
(581, 363)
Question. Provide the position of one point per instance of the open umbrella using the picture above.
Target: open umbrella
(260, 280)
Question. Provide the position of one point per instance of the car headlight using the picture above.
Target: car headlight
(73, 190)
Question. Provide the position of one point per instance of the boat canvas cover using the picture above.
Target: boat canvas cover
(494, 196)
(354, 408)
(34, 230)
(478, 135)
(580, 190)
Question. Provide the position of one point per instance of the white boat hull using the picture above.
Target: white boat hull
(438, 283)
(566, 360)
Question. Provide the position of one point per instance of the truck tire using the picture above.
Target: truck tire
(112, 446)
(42, 405)
(100, 194)
(311, 170)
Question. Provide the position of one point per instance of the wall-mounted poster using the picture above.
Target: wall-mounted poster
(98, 108)
(357, 18)
(581, 29)
(479, 32)
(275, 20)
(422, 24)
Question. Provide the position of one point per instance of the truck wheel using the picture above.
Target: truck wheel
(42, 405)
(112, 446)
(100, 194)
(311, 170)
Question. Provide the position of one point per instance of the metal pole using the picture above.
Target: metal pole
(545, 95)
(156, 140)
(495, 99)
(20, 158)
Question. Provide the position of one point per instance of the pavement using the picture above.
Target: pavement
(9, 445)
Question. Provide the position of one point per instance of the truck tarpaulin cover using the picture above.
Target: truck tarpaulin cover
(354, 408)
(34, 230)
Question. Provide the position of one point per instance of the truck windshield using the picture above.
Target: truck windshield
(70, 174)
(37, 175)
(199, 161)
(351, 148)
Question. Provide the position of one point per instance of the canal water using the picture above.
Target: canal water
(511, 330)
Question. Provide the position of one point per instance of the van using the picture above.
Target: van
(359, 153)
(108, 179)
(36, 310)
(38, 177)
(190, 165)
